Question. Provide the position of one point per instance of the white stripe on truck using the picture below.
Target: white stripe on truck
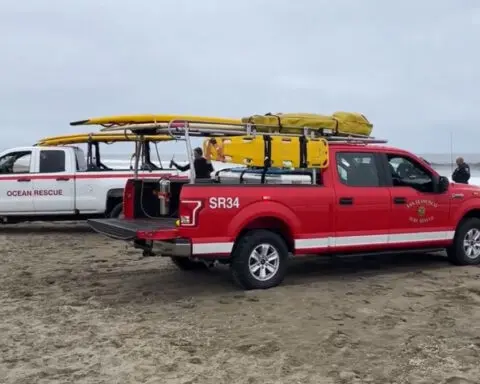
(341, 241)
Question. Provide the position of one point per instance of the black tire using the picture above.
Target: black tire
(457, 254)
(242, 260)
(117, 211)
(185, 264)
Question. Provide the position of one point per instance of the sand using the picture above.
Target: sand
(77, 307)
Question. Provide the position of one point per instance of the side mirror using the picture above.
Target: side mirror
(443, 184)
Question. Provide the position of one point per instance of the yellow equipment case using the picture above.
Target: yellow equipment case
(340, 123)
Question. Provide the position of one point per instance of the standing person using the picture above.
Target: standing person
(462, 172)
(203, 167)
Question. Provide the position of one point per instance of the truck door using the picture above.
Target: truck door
(362, 202)
(16, 184)
(54, 187)
(420, 216)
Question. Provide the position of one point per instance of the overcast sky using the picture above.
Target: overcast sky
(412, 67)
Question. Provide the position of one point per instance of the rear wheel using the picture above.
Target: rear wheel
(186, 264)
(259, 260)
(465, 249)
(117, 212)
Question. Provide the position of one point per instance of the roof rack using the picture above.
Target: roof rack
(94, 139)
(179, 128)
(184, 127)
(183, 130)
(97, 137)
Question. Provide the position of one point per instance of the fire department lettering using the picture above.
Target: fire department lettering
(223, 202)
(35, 192)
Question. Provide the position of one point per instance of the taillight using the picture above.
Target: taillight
(189, 210)
(128, 199)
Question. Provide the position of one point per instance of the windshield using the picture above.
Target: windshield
(5, 160)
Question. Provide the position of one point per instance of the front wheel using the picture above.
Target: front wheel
(465, 249)
(259, 260)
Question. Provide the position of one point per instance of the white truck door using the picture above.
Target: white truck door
(54, 187)
(16, 182)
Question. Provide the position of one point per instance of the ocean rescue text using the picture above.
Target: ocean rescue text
(35, 192)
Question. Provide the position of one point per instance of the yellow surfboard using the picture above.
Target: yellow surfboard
(249, 151)
(80, 138)
(120, 120)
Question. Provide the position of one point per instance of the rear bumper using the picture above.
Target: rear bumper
(160, 237)
(168, 248)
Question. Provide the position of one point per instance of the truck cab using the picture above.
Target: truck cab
(35, 180)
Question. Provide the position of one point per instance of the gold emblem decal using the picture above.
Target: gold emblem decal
(422, 209)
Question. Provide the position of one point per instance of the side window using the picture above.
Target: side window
(81, 164)
(357, 169)
(16, 162)
(406, 172)
(52, 161)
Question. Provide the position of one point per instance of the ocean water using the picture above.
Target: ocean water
(442, 163)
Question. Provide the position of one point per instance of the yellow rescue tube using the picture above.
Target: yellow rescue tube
(248, 150)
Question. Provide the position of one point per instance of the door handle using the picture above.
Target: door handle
(399, 200)
(346, 200)
(62, 178)
(24, 180)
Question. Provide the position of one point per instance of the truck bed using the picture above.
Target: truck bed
(126, 229)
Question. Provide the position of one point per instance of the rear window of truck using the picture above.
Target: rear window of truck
(357, 169)
(52, 161)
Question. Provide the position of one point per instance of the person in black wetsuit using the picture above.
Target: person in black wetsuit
(462, 172)
(203, 167)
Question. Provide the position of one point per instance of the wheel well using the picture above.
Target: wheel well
(473, 213)
(112, 202)
(114, 197)
(272, 224)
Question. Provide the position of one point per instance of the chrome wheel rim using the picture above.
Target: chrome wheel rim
(264, 262)
(471, 243)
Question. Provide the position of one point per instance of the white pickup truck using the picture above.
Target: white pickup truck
(54, 183)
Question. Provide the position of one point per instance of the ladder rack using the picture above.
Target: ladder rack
(180, 128)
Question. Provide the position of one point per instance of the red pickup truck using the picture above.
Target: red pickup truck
(371, 198)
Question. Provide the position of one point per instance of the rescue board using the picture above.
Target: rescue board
(249, 151)
(80, 138)
(164, 119)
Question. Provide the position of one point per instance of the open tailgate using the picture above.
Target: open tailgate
(130, 229)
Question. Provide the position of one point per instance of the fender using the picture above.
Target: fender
(263, 209)
(115, 193)
(464, 209)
